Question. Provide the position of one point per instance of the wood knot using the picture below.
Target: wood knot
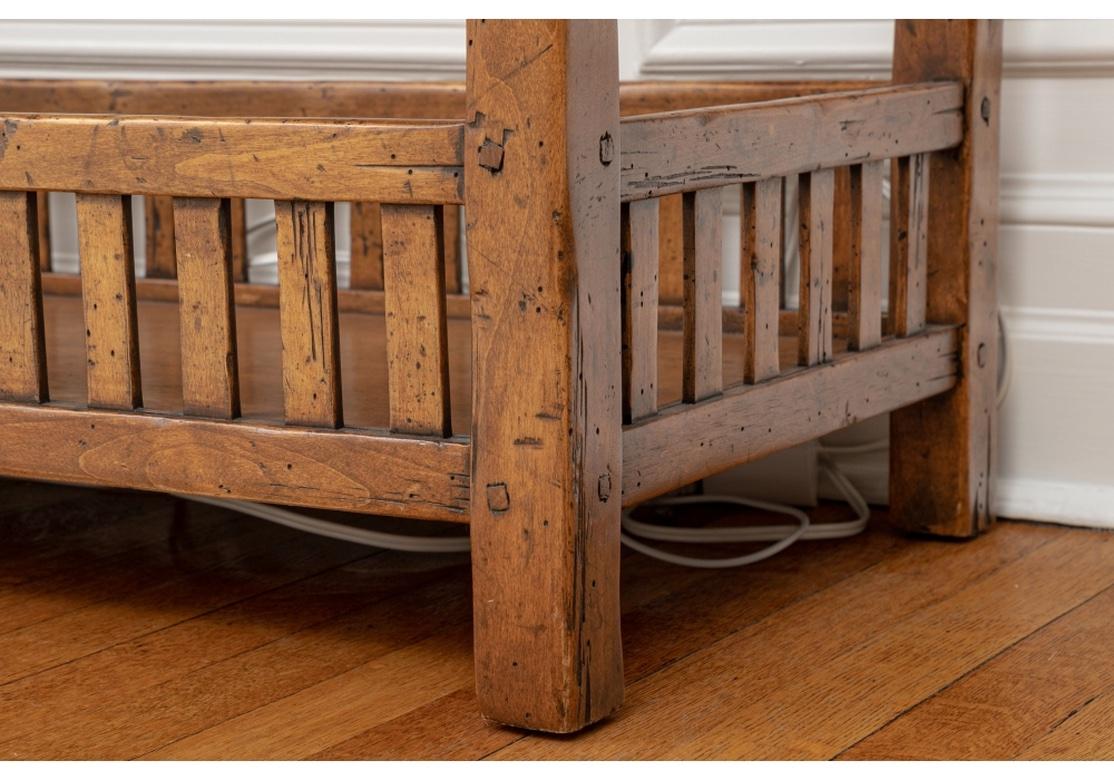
(980, 355)
(498, 499)
(984, 110)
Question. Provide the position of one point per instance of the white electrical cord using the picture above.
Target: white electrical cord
(782, 536)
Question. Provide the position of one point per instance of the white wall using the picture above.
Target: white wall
(1057, 240)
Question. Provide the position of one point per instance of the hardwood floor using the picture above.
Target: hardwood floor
(131, 626)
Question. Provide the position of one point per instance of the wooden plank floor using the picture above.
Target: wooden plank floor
(131, 628)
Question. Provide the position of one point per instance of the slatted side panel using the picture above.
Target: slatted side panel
(104, 227)
(841, 239)
(814, 322)
(909, 244)
(22, 350)
(210, 382)
(761, 241)
(159, 213)
(308, 313)
(417, 343)
(640, 247)
(702, 365)
(452, 250)
(865, 303)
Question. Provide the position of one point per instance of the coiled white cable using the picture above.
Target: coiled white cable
(782, 536)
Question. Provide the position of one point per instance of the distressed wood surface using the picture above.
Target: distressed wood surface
(417, 338)
(22, 347)
(210, 376)
(451, 239)
(760, 266)
(711, 147)
(909, 243)
(816, 192)
(542, 191)
(684, 443)
(350, 471)
(308, 308)
(841, 238)
(159, 230)
(327, 160)
(703, 325)
(237, 215)
(864, 305)
(104, 232)
(671, 249)
(952, 495)
(640, 309)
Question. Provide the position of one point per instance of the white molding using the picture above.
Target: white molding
(861, 49)
(1066, 503)
(1057, 199)
(1064, 326)
(232, 49)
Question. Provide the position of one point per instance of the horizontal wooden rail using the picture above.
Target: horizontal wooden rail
(369, 99)
(345, 470)
(285, 159)
(710, 147)
(685, 442)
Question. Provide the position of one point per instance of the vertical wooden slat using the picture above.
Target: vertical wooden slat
(640, 244)
(238, 221)
(42, 218)
(417, 341)
(308, 313)
(366, 264)
(841, 239)
(942, 451)
(864, 310)
(909, 244)
(161, 262)
(454, 269)
(104, 229)
(22, 350)
(814, 323)
(703, 322)
(671, 249)
(761, 211)
(210, 382)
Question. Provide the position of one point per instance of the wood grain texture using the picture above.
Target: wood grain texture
(279, 159)
(864, 305)
(759, 273)
(159, 229)
(909, 243)
(366, 259)
(953, 495)
(640, 246)
(841, 239)
(816, 193)
(22, 347)
(545, 509)
(308, 308)
(42, 217)
(347, 470)
(682, 444)
(210, 374)
(417, 337)
(104, 232)
(711, 147)
(703, 326)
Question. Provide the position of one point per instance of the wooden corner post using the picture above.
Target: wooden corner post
(942, 449)
(541, 171)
